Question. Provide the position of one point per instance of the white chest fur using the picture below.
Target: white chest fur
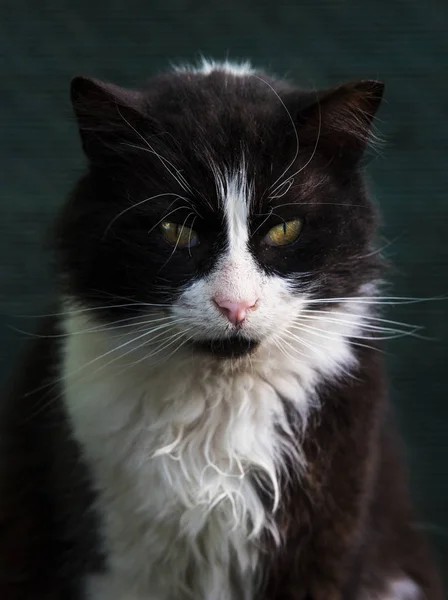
(172, 448)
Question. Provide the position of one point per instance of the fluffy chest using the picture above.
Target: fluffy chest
(177, 452)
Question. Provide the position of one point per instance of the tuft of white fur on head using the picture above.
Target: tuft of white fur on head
(208, 66)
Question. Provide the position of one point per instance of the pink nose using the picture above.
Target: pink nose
(236, 312)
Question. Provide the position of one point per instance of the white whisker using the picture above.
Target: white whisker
(334, 318)
(365, 326)
(364, 317)
(376, 251)
(189, 239)
(135, 205)
(261, 224)
(77, 311)
(167, 343)
(101, 356)
(288, 183)
(376, 300)
(177, 243)
(52, 385)
(178, 177)
(294, 129)
(318, 351)
(291, 177)
(108, 327)
(278, 341)
(330, 335)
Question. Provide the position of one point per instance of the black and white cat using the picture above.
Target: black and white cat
(205, 416)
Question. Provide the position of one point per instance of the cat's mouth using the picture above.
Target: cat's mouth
(235, 346)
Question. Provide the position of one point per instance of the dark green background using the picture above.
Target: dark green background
(317, 42)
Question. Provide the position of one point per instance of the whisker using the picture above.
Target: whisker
(376, 251)
(294, 129)
(168, 342)
(54, 382)
(136, 305)
(322, 333)
(365, 326)
(303, 342)
(135, 302)
(165, 217)
(176, 175)
(318, 351)
(261, 224)
(144, 336)
(177, 243)
(180, 178)
(280, 339)
(100, 357)
(368, 317)
(98, 329)
(283, 351)
(189, 239)
(135, 205)
(334, 318)
(376, 300)
(313, 152)
(348, 204)
(288, 183)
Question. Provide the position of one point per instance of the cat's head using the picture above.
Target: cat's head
(219, 204)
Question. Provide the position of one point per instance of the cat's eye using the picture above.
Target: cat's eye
(179, 236)
(284, 234)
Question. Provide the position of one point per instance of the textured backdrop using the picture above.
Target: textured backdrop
(317, 42)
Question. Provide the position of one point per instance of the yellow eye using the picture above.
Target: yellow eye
(179, 236)
(284, 233)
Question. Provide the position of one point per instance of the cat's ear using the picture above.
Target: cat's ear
(340, 120)
(108, 116)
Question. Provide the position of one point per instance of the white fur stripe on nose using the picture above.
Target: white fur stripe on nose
(235, 199)
(236, 279)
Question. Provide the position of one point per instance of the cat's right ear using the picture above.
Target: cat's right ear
(339, 121)
(108, 116)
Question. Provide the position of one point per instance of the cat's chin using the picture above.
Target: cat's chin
(233, 347)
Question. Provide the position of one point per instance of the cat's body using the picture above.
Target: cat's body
(205, 420)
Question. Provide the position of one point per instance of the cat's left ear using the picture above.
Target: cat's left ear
(340, 120)
(107, 115)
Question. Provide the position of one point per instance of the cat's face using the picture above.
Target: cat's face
(222, 205)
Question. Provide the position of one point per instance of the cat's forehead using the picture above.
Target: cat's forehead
(219, 90)
(220, 109)
(228, 131)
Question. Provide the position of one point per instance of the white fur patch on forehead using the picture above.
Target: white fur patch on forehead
(235, 197)
(237, 202)
(207, 66)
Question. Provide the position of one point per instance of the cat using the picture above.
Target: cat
(204, 416)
